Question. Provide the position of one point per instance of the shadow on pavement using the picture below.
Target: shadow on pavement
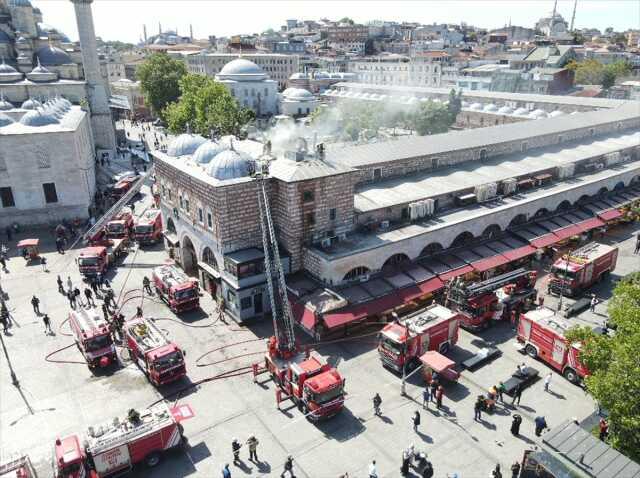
(343, 427)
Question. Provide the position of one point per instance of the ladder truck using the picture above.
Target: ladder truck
(493, 299)
(313, 385)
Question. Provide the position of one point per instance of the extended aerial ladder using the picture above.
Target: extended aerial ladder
(459, 291)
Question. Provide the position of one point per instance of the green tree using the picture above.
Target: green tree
(160, 77)
(592, 72)
(206, 106)
(614, 379)
(432, 118)
(346, 20)
(455, 104)
(619, 39)
(608, 78)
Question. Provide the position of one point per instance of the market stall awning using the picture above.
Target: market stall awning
(28, 243)
(455, 273)
(489, 263)
(436, 361)
(171, 237)
(609, 214)
(302, 314)
(567, 232)
(407, 294)
(431, 285)
(519, 253)
(209, 270)
(544, 241)
(360, 311)
(589, 224)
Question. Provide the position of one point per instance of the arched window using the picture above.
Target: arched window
(541, 212)
(395, 260)
(208, 258)
(356, 273)
(462, 239)
(519, 219)
(563, 206)
(431, 249)
(491, 231)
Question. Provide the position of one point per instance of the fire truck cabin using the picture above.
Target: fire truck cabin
(93, 336)
(70, 458)
(91, 260)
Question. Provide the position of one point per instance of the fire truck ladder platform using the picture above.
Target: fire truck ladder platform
(496, 282)
(147, 334)
(115, 209)
(172, 275)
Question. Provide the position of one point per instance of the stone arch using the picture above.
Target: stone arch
(564, 205)
(603, 191)
(634, 180)
(356, 273)
(541, 212)
(519, 219)
(583, 199)
(395, 260)
(462, 239)
(171, 226)
(209, 258)
(619, 185)
(188, 255)
(431, 249)
(491, 231)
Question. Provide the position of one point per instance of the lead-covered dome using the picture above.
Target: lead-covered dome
(505, 110)
(241, 69)
(39, 117)
(185, 144)
(41, 75)
(5, 120)
(52, 56)
(299, 94)
(8, 73)
(30, 104)
(208, 151)
(5, 105)
(230, 164)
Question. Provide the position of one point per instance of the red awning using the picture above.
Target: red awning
(589, 224)
(302, 315)
(431, 285)
(436, 361)
(519, 253)
(308, 318)
(445, 276)
(567, 232)
(28, 243)
(489, 263)
(609, 214)
(544, 241)
(407, 294)
(359, 311)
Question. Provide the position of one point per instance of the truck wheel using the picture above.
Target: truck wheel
(531, 351)
(571, 375)
(444, 348)
(152, 459)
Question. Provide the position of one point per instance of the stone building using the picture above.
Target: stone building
(297, 102)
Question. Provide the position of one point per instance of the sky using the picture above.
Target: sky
(123, 19)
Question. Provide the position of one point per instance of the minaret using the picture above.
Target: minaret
(101, 122)
(191, 32)
(144, 33)
(573, 16)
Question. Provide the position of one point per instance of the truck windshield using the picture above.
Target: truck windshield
(88, 261)
(98, 343)
(326, 396)
(117, 227)
(70, 470)
(144, 229)
(562, 273)
(185, 294)
(391, 345)
(168, 361)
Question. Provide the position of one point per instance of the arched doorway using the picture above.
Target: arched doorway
(171, 227)
(210, 272)
(431, 249)
(356, 273)
(563, 206)
(518, 220)
(602, 192)
(541, 212)
(618, 186)
(189, 257)
(491, 231)
(394, 261)
(462, 239)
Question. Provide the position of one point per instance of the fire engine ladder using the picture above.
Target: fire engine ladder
(495, 283)
(115, 209)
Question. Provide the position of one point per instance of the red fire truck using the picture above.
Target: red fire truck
(121, 224)
(541, 335)
(580, 269)
(159, 358)
(18, 468)
(122, 186)
(97, 259)
(492, 299)
(93, 337)
(114, 447)
(401, 343)
(148, 227)
(177, 289)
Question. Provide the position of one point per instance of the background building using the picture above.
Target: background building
(251, 86)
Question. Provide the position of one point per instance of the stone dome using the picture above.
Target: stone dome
(185, 144)
(521, 112)
(19, 3)
(537, 114)
(490, 108)
(52, 56)
(41, 74)
(39, 117)
(208, 151)
(241, 69)
(9, 73)
(5, 105)
(505, 110)
(476, 106)
(555, 113)
(299, 94)
(5, 120)
(4, 38)
(230, 165)
(31, 104)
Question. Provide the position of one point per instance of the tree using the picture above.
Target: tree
(346, 20)
(619, 39)
(432, 118)
(160, 77)
(455, 104)
(614, 379)
(608, 78)
(206, 106)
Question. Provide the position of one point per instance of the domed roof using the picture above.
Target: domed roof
(30, 104)
(208, 151)
(476, 106)
(21, 39)
(5, 120)
(39, 117)
(555, 113)
(19, 3)
(297, 94)
(40, 73)
(538, 114)
(6, 69)
(4, 38)
(505, 110)
(52, 56)
(5, 105)
(185, 144)
(9, 73)
(159, 41)
(241, 66)
(490, 108)
(230, 165)
(521, 112)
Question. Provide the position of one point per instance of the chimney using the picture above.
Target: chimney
(191, 32)
(159, 29)
(144, 33)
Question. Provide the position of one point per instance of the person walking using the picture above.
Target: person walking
(496, 473)
(426, 397)
(439, 395)
(377, 401)
(94, 286)
(105, 311)
(477, 409)
(637, 248)
(146, 284)
(235, 448)
(406, 460)
(288, 467)
(416, 421)
(47, 324)
(59, 245)
(501, 389)
(541, 424)
(76, 295)
(253, 443)
(35, 303)
(604, 429)
(72, 299)
(226, 473)
(43, 261)
(373, 471)
(69, 283)
(434, 386)
(138, 311)
(89, 296)
(60, 285)
(517, 394)
(547, 381)
(593, 303)
(4, 320)
(515, 425)
(515, 470)
(3, 262)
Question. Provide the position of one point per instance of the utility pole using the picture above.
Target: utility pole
(14, 378)
(573, 16)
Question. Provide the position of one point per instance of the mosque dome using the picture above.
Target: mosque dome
(5, 105)
(159, 41)
(299, 94)
(208, 151)
(555, 113)
(30, 104)
(5, 120)
(8, 73)
(19, 3)
(521, 112)
(4, 38)
(39, 117)
(230, 165)
(185, 144)
(536, 114)
(241, 69)
(505, 110)
(52, 56)
(490, 108)
(475, 106)
(295, 76)
(41, 74)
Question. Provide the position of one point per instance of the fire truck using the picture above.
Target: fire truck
(541, 335)
(148, 227)
(114, 447)
(160, 359)
(401, 343)
(18, 468)
(493, 299)
(306, 379)
(580, 269)
(123, 186)
(120, 225)
(96, 259)
(177, 289)
(93, 337)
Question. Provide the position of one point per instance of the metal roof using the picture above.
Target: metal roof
(309, 168)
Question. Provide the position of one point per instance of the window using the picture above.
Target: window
(435, 162)
(377, 174)
(404, 214)
(181, 201)
(307, 196)
(246, 303)
(50, 195)
(200, 215)
(231, 298)
(524, 146)
(7, 197)
(209, 220)
(332, 214)
(186, 204)
(310, 218)
(483, 154)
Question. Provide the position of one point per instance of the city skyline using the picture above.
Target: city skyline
(206, 20)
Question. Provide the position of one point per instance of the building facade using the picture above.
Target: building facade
(421, 70)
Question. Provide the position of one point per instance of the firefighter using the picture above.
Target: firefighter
(69, 283)
(47, 324)
(4, 320)
(288, 467)
(604, 429)
(76, 295)
(235, 448)
(515, 425)
(72, 299)
(35, 303)
(94, 286)
(60, 285)
(515, 470)
(146, 284)
(416, 421)
(105, 311)
(377, 401)
(439, 395)
(89, 296)
(138, 311)
(253, 442)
